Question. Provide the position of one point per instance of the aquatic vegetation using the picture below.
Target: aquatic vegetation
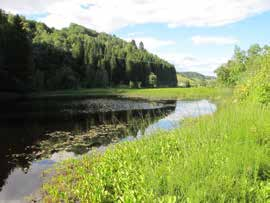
(82, 142)
(220, 158)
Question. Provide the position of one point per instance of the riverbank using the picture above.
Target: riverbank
(156, 93)
(44, 132)
(217, 158)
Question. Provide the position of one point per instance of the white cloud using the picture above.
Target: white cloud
(198, 40)
(132, 34)
(109, 15)
(188, 62)
(150, 43)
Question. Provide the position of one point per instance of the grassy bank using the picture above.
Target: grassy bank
(220, 158)
(157, 93)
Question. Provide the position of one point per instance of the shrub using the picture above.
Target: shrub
(256, 88)
(152, 80)
(132, 84)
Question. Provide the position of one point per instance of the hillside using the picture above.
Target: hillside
(36, 57)
(197, 76)
(193, 79)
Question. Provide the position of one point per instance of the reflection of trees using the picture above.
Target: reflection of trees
(106, 128)
(20, 144)
(13, 151)
(141, 119)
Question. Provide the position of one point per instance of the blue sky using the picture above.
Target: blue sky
(243, 33)
(193, 35)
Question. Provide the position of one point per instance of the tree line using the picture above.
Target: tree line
(249, 72)
(35, 57)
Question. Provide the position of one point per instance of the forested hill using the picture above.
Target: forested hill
(36, 57)
(194, 79)
(197, 76)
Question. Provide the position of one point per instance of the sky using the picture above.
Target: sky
(194, 35)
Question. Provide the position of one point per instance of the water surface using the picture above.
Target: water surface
(36, 135)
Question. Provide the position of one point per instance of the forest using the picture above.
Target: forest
(34, 57)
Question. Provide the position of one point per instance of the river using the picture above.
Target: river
(37, 134)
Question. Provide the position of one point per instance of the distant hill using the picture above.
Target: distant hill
(198, 76)
(193, 79)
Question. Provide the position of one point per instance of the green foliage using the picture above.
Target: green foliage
(16, 62)
(187, 84)
(141, 46)
(193, 79)
(257, 87)
(220, 158)
(196, 76)
(230, 73)
(101, 78)
(152, 80)
(93, 59)
(149, 93)
(250, 72)
(132, 84)
(139, 84)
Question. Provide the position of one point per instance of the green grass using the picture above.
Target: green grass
(156, 93)
(219, 158)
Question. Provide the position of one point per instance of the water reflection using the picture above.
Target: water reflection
(20, 183)
(31, 131)
(184, 109)
(62, 129)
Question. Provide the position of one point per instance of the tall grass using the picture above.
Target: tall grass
(220, 158)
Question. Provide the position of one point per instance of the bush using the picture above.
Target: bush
(256, 88)
(139, 84)
(132, 84)
(152, 80)
(187, 84)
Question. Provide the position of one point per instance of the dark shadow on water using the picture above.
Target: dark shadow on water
(31, 131)
(34, 135)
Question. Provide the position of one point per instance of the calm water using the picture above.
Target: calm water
(36, 135)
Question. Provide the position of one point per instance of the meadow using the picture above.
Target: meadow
(145, 93)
